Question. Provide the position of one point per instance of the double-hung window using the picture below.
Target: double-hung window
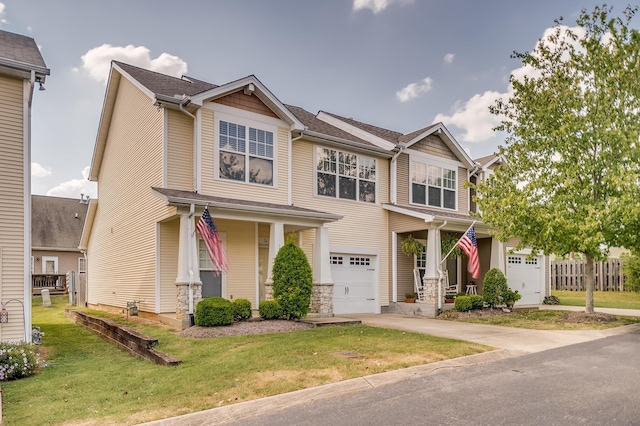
(246, 153)
(433, 185)
(344, 175)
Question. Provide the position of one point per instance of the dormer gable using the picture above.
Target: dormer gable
(440, 131)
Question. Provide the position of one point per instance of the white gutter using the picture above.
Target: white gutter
(394, 172)
(191, 233)
(289, 171)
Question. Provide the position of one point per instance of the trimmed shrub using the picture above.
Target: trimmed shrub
(631, 269)
(551, 300)
(17, 360)
(477, 302)
(214, 311)
(241, 309)
(292, 280)
(463, 303)
(270, 310)
(494, 287)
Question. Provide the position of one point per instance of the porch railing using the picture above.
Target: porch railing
(53, 282)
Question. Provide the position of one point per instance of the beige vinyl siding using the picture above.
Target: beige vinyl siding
(484, 255)
(405, 271)
(241, 250)
(12, 212)
(67, 260)
(224, 188)
(404, 223)
(169, 242)
(363, 225)
(122, 247)
(403, 179)
(433, 145)
(179, 151)
(463, 193)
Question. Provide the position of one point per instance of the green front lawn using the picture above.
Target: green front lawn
(601, 299)
(90, 381)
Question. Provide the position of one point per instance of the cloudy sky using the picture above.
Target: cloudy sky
(398, 64)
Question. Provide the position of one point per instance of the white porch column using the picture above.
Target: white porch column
(322, 293)
(433, 257)
(497, 255)
(188, 284)
(276, 241)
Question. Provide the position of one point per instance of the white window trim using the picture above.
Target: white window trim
(223, 280)
(449, 165)
(248, 120)
(82, 260)
(44, 263)
(357, 200)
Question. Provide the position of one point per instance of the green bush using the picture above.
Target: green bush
(17, 360)
(241, 309)
(551, 300)
(292, 280)
(477, 302)
(494, 288)
(463, 303)
(270, 310)
(213, 311)
(631, 269)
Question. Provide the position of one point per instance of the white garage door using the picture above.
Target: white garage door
(525, 275)
(354, 278)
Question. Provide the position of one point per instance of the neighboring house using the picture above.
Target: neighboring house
(22, 69)
(350, 192)
(56, 228)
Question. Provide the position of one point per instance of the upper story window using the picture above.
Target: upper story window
(433, 185)
(344, 175)
(246, 153)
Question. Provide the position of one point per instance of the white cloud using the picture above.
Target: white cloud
(97, 61)
(74, 187)
(473, 116)
(448, 58)
(413, 90)
(39, 171)
(377, 6)
(2, 13)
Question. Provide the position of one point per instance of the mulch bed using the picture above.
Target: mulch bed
(245, 328)
(569, 317)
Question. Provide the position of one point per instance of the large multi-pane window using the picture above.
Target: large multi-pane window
(245, 156)
(344, 175)
(433, 185)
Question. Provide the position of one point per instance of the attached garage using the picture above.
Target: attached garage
(355, 279)
(527, 277)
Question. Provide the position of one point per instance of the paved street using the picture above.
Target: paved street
(592, 383)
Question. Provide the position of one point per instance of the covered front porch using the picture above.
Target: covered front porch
(251, 234)
(430, 276)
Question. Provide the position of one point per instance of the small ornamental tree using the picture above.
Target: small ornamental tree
(292, 280)
(494, 287)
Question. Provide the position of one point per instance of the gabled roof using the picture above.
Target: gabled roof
(447, 138)
(56, 223)
(489, 160)
(19, 55)
(163, 84)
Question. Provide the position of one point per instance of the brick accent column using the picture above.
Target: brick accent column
(182, 298)
(268, 291)
(430, 290)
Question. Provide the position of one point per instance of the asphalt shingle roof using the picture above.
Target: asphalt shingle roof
(20, 48)
(54, 223)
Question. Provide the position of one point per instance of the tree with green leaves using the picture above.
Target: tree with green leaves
(571, 182)
(292, 280)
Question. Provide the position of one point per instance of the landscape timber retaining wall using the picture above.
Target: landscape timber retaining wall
(135, 343)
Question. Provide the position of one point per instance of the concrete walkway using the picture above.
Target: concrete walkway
(510, 342)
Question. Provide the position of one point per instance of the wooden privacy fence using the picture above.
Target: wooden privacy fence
(570, 275)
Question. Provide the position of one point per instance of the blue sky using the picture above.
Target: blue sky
(398, 64)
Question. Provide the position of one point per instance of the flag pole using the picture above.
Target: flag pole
(456, 244)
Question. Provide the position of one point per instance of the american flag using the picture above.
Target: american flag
(469, 245)
(212, 240)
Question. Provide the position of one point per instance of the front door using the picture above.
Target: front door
(211, 279)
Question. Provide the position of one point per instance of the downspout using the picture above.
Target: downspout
(440, 273)
(394, 178)
(27, 223)
(186, 101)
(191, 233)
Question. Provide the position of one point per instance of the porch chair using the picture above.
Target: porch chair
(418, 285)
(449, 289)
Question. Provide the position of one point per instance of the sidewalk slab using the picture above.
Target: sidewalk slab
(611, 311)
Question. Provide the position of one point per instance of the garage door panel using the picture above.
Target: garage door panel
(354, 278)
(524, 275)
